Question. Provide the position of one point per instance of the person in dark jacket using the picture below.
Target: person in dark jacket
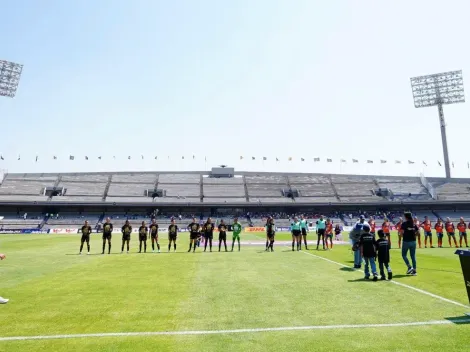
(368, 251)
(383, 255)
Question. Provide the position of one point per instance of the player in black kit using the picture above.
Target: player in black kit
(172, 234)
(194, 233)
(107, 234)
(143, 231)
(86, 230)
(208, 233)
(126, 235)
(154, 235)
(222, 234)
(270, 233)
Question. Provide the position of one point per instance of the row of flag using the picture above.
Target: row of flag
(264, 158)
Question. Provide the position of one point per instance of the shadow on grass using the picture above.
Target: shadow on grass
(462, 320)
(363, 280)
(347, 269)
(399, 276)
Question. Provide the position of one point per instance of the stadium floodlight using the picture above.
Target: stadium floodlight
(439, 89)
(9, 78)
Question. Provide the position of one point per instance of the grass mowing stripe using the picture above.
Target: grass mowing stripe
(234, 331)
(395, 282)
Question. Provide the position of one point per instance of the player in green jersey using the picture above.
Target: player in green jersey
(296, 233)
(237, 229)
(304, 229)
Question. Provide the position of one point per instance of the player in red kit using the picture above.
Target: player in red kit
(439, 227)
(427, 226)
(418, 234)
(372, 226)
(400, 234)
(462, 227)
(386, 230)
(450, 229)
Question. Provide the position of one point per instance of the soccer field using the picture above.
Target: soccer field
(249, 300)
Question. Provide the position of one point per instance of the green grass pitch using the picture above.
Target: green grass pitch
(53, 291)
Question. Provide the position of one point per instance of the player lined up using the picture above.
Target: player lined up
(198, 234)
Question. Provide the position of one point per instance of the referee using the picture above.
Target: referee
(321, 226)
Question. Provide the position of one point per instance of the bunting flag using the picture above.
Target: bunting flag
(156, 157)
(277, 159)
(397, 162)
(99, 158)
(316, 159)
(182, 157)
(468, 165)
(302, 159)
(355, 161)
(452, 164)
(329, 160)
(71, 157)
(114, 157)
(1, 157)
(36, 158)
(439, 163)
(290, 158)
(194, 157)
(370, 162)
(129, 157)
(424, 163)
(343, 160)
(205, 158)
(383, 161)
(253, 158)
(54, 157)
(19, 157)
(142, 157)
(410, 162)
(86, 158)
(264, 158)
(241, 158)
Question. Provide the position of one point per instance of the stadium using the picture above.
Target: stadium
(229, 176)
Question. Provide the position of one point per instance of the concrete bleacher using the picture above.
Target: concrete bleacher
(85, 178)
(32, 177)
(129, 189)
(227, 199)
(317, 199)
(181, 190)
(404, 187)
(271, 200)
(264, 190)
(22, 198)
(277, 179)
(24, 187)
(135, 178)
(91, 199)
(118, 199)
(224, 190)
(15, 221)
(83, 188)
(179, 178)
(314, 189)
(452, 191)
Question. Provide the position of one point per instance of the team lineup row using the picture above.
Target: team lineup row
(198, 234)
(299, 229)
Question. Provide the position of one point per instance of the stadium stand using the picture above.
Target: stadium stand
(23, 187)
(452, 191)
(83, 188)
(129, 189)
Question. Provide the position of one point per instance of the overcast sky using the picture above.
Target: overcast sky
(224, 79)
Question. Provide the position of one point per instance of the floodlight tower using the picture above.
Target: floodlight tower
(439, 89)
(9, 78)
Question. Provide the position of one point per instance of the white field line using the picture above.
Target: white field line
(395, 282)
(232, 331)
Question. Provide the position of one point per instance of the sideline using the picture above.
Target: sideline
(234, 331)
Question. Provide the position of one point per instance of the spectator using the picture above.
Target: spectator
(409, 233)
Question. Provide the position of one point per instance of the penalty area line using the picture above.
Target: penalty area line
(395, 282)
(234, 331)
